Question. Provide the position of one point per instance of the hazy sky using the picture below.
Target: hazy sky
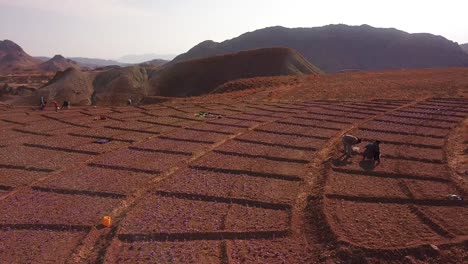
(112, 28)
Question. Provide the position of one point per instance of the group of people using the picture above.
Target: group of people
(65, 105)
(371, 151)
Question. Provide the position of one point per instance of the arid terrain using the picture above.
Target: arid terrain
(259, 180)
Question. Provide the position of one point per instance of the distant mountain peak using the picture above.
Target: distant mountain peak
(58, 57)
(9, 46)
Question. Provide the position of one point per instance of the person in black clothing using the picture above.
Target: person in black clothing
(372, 152)
(66, 105)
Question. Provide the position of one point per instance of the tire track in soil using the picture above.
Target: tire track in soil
(94, 247)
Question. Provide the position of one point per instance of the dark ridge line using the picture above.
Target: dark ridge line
(437, 161)
(14, 167)
(288, 108)
(276, 144)
(453, 111)
(228, 200)
(409, 124)
(227, 125)
(48, 227)
(390, 175)
(448, 104)
(307, 125)
(114, 118)
(372, 105)
(391, 100)
(396, 200)
(181, 153)
(261, 115)
(176, 109)
(187, 140)
(270, 110)
(31, 133)
(424, 118)
(79, 192)
(84, 113)
(3, 146)
(400, 133)
(398, 143)
(323, 119)
(85, 152)
(149, 114)
(249, 173)
(6, 188)
(116, 111)
(209, 236)
(362, 108)
(233, 110)
(185, 118)
(140, 107)
(158, 124)
(64, 122)
(13, 122)
(348, 111)
(243, 119)
(208, 131)
(110, 167)
(447, 99)
(432, 114)
(336, 115)
(99, 137)
(289, 134)
(132, 130)
(245, 155)
(443, 104)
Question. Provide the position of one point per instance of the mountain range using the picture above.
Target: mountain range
(464, 47)
(335, 48)
(195, 77)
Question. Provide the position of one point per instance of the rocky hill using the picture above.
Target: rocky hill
(201, 76)
(335, 48)
(464, 47)
(197, 77)
(58, 63)
(14, 59)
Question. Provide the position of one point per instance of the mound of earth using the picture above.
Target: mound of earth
(116, 86)
(201, 76)
(464, 47)
(335, 48)
(14, 59)
(71, 85)
(58, 63)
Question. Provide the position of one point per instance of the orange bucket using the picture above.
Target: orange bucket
(106, 221)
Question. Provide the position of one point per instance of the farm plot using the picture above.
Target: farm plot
(223, 187)
(349, 185)
(54, 209)
(404, 169)
(403, 201)
(165, 252)
(375, 225)
(255, 167)
(101, 181)
(277, 250)
(392, 128)
(37, 246)
(271, 152)
(283, 141)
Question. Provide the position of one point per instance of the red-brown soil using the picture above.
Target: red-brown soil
(262, 184)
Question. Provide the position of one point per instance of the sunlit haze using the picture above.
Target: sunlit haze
(113, 28)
